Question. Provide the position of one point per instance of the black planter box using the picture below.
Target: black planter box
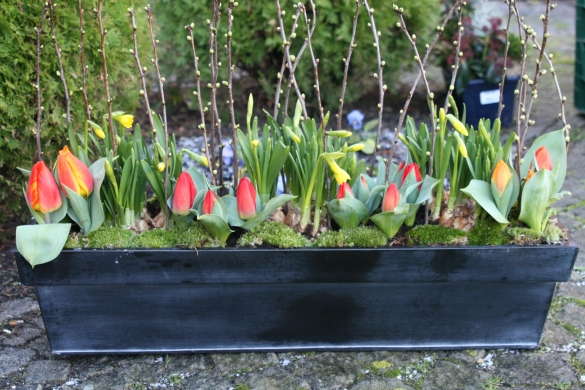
(482, 101)
(163, 301)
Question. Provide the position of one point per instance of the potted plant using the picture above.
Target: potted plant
(381, 262)
(485, 52)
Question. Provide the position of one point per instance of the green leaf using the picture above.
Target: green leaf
(231, 204)
(481, 192)
(535, 199)
(98, 172)
(556, 146)
(390, 221)
(370, 125)
(80, 207)
(40, 244)
(271, 206)
(347, 212)
(215, 226)
(426, 190)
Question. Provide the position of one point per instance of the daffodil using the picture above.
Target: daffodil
(125, 120)
(340, 175)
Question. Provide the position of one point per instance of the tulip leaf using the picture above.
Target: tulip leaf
(360, 190)
(231, 204)
(98, 172)
(426, 190)
(481, 192)
(40, 244)
(390, 221)
(215, 226)
(201, 183)
(347, 212)
(535, 197)
(25, 172)
(556, 146)
(375, 198)
(58, 215)
(271, 206)
(411, 215)
(79, 206)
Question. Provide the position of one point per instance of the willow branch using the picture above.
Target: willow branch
(83, 66)
(290, 81)
(102, 52)
(215, 129)
(198, 94)
(60, 63)
(228, 49)
(457, 58)
(504, 71)
(347, 59)
(39, 31)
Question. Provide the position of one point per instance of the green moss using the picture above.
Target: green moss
(487, 232)
(360, 237)
(273, 234)
(551, 234)
(425, 235)
(107, 237)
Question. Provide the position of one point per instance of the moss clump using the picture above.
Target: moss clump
(427, 235)
(106, 237)
(109, 237)
(487, 232)
(551, 234)
(360, 237)
(273, 234)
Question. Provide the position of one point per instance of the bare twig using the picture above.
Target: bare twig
(286, 45)
(228, 49)
(60, 63)
(213, 64)
(102, 52)
(295, 63)
(141, 71)
(347, 59)
(198, 94)
(83, 66)
(37, 86)
(161, 81)
(379, 76)
(280, 75)
(505, 69)
(457, 57)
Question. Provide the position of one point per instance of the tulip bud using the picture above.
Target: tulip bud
(413, 167)
(543, 159)
(391, 198)
(501, 176)
(73, 173)
(184, 195)
(246, 199)
(42, 192)
(344, 191)
(210, 204)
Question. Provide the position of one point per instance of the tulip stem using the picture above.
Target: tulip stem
(39, 30)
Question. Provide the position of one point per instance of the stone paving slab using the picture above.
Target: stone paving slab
(559, 363)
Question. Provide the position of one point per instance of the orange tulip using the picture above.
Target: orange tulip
(42, 192)
(246, 199)
(73, 173)
(391, 198)
(345, 191)
(501, 176)
(543, 158)
(184, 194)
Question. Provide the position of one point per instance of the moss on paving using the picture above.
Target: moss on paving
(273, 234)
(360, 237)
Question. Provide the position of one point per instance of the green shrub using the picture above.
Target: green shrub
(17, 74)
(257, 46)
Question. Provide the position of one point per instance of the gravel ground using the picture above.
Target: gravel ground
(26, 361)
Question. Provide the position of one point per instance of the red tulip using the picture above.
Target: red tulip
(42, 192)
(400, 166)
(210, 204)
(409, 168)
(543, 158)
(344, 191)
(73, 173)
(184, 194)
(391, 198)
(246, 199)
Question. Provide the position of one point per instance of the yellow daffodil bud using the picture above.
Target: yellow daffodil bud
(461, 144)
(457, 125)
(160, 166)
(356, 147)
(339, 133)
(255, 143)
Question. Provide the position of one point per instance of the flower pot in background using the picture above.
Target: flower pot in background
(482, 101)
(163, 301)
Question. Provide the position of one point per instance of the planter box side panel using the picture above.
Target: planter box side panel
(309, 316)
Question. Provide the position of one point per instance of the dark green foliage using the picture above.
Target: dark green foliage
(258, 46)
(273, 234)
(428, 235)
(17, 77)
(360, 237)
(487, 232)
